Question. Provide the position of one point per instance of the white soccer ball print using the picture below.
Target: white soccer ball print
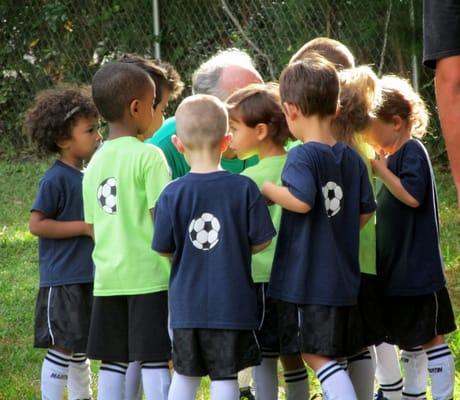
(204, 231)
(107, 195)
(333, 195)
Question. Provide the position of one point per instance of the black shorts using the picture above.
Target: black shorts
(330, 331)
(219, 353)
(278, 331)
(130, 328)
(62, 317)
(370, 303)
(415, 320)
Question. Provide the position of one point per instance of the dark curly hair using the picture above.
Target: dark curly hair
(54, 113)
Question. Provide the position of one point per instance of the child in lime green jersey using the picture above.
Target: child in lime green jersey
(259, 128)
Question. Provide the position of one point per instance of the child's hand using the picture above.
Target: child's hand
(380, 164)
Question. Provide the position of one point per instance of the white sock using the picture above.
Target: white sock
(296, 384)
(335, 382)
(441, 368)
(414, 364)
(55, 370)
(244, 379)
(362, 371)
(266, 379)
(156, 379)
(225, 389)
(183, 387)
(111, 384)
(133, 381)
(79, 382)
(388, 372)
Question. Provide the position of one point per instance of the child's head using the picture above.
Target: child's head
(125, 94)
(309, 88)
(400, 113)
(201, 124)
(64, 118)
(332, 50)
(256, 117)
(359, 94)
(168, 83)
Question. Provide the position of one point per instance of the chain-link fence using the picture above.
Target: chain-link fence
(45, 42)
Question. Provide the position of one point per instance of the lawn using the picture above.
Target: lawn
(20, 364)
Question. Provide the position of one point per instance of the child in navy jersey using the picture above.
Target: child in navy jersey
(209, 222)
(418, 309)
(63, 121)
(326, 196)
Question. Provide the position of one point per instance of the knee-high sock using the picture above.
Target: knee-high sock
(266, 379)
(79, 382)
(335, 382)
(156, 379)
(133, 381)
(296, 384)
(111, 384)
(415, 367)
(225, 389)
(441, 368)
(55, 370)
(362, 371)
(388, 372)
(183, 387)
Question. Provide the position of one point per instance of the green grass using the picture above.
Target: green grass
(20, 364)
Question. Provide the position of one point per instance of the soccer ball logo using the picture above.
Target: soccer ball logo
(107, 195)
(333, 195)
(204, 231)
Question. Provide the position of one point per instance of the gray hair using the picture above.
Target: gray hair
(206, 79)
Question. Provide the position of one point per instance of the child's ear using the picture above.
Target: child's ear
(62, 143)
(261, 131)
(134, 107)
(178, 144)
(225, 142)
(291, 111)
(397, 122)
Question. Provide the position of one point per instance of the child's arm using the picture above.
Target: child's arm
(392, 182)
(259, 247)
(41, 225)
(281, 195)
(364, 219)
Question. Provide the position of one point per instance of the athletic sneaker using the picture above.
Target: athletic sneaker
(246, 394)
(379, 395)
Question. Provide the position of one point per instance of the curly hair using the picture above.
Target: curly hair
(260, 103)
(54, 113)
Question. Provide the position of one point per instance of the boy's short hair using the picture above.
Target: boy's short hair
(53, 114)
(201, 121)
(312, 85)
(115, 85)
(163, 74)
(332, 50)
(260, 103)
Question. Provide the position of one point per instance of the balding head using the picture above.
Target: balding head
(224, 73)
(202, 121)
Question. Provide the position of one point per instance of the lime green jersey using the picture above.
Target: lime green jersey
(120, 188)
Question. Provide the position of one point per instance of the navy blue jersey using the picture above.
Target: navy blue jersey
(210, 221)
(317, 254)
(63, 261)
(408, 253)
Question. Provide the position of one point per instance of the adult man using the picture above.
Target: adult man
(221, 75)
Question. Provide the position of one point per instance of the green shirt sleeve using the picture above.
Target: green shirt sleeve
(156, 175)
(88, 202)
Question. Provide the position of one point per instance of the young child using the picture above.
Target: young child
(418, 311)
(120, 188)
(326, 197)
(209, 222)
(63, 121)
(259, 127)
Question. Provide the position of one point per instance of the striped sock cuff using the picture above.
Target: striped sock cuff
(269, 354)
(438, 351)
(326, 371)
(154, 364)
(421, 395)
(117, 367)
(392, 387)
(343, 364)
(233, 377)
(295, 375)
(57, 358)
(364, 355)
(78, 358)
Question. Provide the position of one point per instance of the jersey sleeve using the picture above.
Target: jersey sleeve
(414, 171)
(163, 237)
(88, 201)
(367, 199)
(156, 174)
(48, 199)
(260, 228)
(298, 178)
